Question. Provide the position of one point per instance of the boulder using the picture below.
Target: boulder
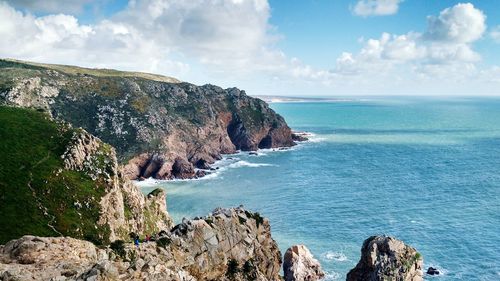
(432, 271)
(300, 265)
(386, 258)
(182, 169)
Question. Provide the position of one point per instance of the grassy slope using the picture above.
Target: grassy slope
(98, 72)
(30, 150)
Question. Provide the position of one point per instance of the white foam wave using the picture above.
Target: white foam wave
(335, 256)
(243, 163)
(332, 275)
(147, 182)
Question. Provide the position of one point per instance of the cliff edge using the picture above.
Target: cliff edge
(59, 181)
(161, 128)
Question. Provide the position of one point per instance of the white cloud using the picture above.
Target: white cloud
(495, 33)
(220, 41)
(447, 41)
(462, 23)
(230, 43)
(442, 57)
(62, 39)
(376, 7)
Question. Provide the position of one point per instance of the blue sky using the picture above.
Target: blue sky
(294, 47)
(319, 31)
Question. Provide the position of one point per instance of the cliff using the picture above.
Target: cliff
(160, 127)
(56, 180)
(229, 244)
(387, 258)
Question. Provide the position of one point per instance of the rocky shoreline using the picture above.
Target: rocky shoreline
(228, 244)
(76, 139)
(160, 128)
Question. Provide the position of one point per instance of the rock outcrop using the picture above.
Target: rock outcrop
(160, 129)
(123, 208)
(229, 244)
(386, 258)
(300, 265)
(61, 181)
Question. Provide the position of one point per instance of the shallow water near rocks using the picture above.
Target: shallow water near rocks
(424, 170)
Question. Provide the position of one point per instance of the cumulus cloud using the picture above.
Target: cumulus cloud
(231, 36)
(376, 7)
(447, 40)
(462, 23)
(62, 39)
(231, 43)
(441, 57)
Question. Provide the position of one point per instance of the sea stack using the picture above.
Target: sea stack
(386, 258)
(300, 265)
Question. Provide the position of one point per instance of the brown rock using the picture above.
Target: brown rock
(386, 258)
(182, 169)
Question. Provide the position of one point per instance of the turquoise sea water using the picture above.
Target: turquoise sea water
(424, 170)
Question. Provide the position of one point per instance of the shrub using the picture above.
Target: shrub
(118, 248)
(163, 242)
(232, 269)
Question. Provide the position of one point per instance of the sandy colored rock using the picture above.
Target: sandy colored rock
(300, 265)
(229, 244)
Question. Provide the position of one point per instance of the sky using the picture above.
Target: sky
(271, 47)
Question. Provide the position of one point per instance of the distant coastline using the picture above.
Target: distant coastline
(278, 99)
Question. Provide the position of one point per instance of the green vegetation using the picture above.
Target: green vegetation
(209, 220)
(249, 270)
(256, 216)
(75, 70)
(418, 256)
(232, 269)
(163, 242)
(118, 248)
(37, 195)
(156, 192)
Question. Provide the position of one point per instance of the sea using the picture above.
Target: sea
(425, 170)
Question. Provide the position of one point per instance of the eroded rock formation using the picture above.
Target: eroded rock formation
(386, 258)
(300, 265)
(123, 208)
(229, 244)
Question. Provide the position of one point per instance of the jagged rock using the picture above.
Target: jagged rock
(432, 271)
(386, 258)
(300, 136)
(182, 169)
(300, 265)
(230, 244)
(124, 208)
(151, 122)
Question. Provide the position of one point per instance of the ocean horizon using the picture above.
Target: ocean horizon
(425, 170)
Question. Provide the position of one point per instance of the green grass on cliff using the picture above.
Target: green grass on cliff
(36, 194)
(75, 70)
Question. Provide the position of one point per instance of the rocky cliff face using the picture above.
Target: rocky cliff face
(229, 244)
(159, 129)
(123, 208)
(57, 180)
(386, 258)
